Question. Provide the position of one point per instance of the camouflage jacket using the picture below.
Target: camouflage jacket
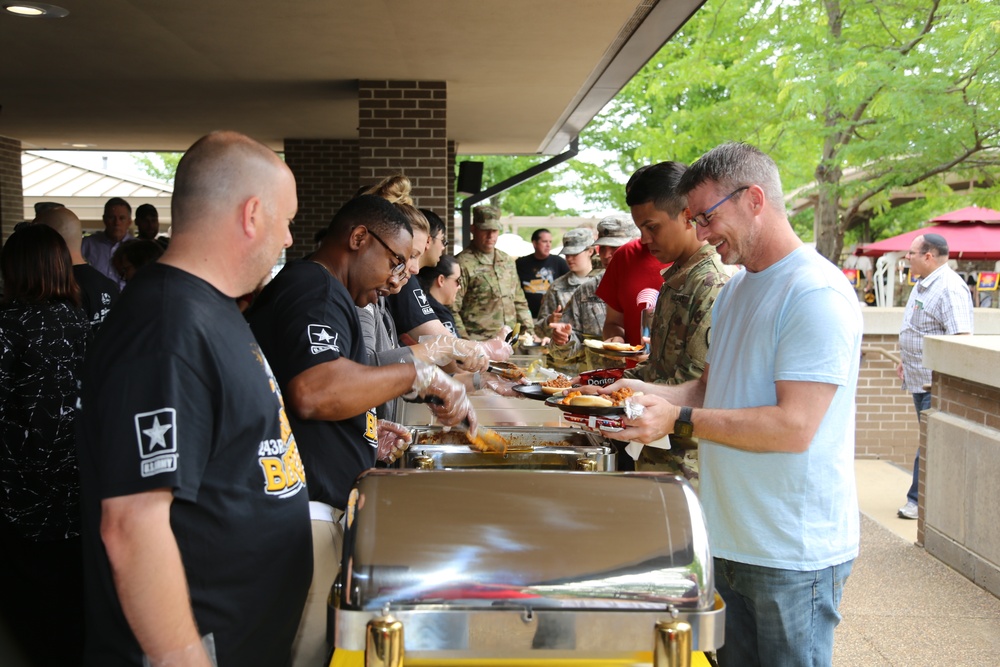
(679, 343)
(682, 319)
(557, 296)
(490, 296)
(586, 312)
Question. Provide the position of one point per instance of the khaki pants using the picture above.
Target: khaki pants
(310, 648)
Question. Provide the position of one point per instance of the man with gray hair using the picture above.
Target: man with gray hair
(939, 304)
(774, 414)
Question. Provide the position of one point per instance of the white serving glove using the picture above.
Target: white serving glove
(454, 407)
(393, 439)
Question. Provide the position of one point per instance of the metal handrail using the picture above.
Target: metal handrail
(888, 354)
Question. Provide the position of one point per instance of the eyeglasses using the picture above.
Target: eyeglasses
(702, 218)
(399, 269)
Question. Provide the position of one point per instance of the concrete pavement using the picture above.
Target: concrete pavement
(901, 606)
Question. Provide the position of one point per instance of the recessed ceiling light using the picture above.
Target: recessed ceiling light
(79, 145)
(35, 10)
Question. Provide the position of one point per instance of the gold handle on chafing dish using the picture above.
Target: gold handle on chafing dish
(384, 643)
(672, 646)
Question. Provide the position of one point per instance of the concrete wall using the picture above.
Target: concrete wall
(960, 484)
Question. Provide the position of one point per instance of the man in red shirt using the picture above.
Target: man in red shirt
(631, 282)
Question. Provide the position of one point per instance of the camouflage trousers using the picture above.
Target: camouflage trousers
(683, 462)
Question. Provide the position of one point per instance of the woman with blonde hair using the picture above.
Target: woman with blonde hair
(408, 309)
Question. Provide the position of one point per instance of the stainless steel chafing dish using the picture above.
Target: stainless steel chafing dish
(531, 448)
(524, 565)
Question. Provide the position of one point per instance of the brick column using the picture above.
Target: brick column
(449, 220)
(326, 176)
(402, 128)
(11, 186)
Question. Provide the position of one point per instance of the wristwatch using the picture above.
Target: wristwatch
(683, 427)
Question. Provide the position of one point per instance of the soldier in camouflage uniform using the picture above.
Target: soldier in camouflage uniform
(578, 248)
(585, 312)
(683, 315)
(491, 294)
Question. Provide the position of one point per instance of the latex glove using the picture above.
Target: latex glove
(393, 439)
(442, 350)
(496, 348)
(454, 403)
(503, 386)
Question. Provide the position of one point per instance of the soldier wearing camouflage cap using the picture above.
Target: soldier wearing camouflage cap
(491, 295)
(578, 248)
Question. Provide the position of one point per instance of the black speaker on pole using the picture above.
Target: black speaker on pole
(470, 178)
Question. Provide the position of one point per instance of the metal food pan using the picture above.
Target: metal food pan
(531, 448)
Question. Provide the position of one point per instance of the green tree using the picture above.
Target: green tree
(161, 166)
(854, 99)
(533, 197)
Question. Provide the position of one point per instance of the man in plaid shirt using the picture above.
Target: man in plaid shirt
(940, 303)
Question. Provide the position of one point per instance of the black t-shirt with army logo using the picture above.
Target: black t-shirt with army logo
(411, 307)
(177, 394)
(97, 293)
(305, 317)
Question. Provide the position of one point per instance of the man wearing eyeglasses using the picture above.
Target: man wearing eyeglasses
(774, 414)
(491, 296)
(939, 304)
(306, 321)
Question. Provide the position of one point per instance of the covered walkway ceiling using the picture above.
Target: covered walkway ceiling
(524, 76)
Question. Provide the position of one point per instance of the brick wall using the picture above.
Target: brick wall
(11, 186)
(449, 220)
(326, 176)
(887, 426)
(402, 128)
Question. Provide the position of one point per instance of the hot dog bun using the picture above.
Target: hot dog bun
(591, 400)
(622, 347)
(552, 391)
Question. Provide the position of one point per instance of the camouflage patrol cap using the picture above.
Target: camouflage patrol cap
(616, 231)
(577, 240)
(486, 217)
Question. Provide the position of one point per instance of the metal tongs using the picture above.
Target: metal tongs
(505, 369)
(485, 440)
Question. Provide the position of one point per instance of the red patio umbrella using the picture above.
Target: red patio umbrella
(972, 233)
(970, 214)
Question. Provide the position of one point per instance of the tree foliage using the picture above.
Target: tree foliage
(854, 99)
(161, 166)
(533, 197)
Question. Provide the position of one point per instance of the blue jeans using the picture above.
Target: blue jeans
(921, 401)
(779, 618)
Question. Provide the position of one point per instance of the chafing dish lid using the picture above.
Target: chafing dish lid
(538, 539)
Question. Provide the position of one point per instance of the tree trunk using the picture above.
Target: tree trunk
(827, 230)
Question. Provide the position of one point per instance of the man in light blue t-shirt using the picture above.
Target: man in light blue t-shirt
(774, 412)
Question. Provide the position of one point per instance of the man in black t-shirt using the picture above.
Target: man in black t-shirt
(308, 327)
(195, 512)
(540, 269)
(97, 292)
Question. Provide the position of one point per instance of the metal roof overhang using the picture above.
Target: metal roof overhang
(523, 76)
